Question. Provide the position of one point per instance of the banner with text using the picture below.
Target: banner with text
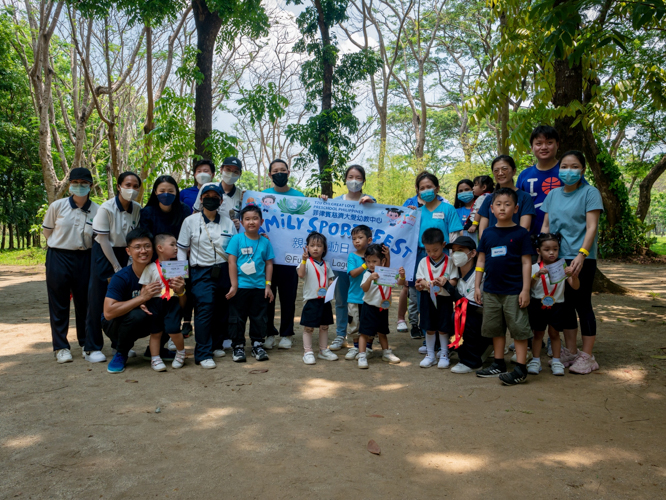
(289, 219)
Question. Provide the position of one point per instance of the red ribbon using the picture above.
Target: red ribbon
(446, 262)
(545, 288)
(167, 294)
(381, 292)
(459, 321)
(317, 271)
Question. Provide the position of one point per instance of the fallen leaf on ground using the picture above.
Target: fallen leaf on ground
(659, 357)
(132, 381)
(373, 447)
(260, 370)
(376, 416)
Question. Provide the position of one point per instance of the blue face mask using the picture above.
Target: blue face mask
(79, 189)
(166, 199)
(428, 195)
(466, 196)
(570, 176)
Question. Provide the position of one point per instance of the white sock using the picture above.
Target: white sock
(181, 352)
(556, 360)
(430, 345)
(444, 343)
(155, 358)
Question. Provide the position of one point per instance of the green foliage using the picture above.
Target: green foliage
(659, 246)
(263, 101)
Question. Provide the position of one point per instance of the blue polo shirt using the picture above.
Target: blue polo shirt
(248, 250)
(355, 294)
(189, 196)
(443, 217)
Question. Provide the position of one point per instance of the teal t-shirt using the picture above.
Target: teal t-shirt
(567, 213)
(444, 217)
(257, 251)
(291, 192)
(355, 295)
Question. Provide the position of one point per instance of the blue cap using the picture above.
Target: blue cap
(211, 187)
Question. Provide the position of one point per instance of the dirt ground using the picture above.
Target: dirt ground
(75, 431)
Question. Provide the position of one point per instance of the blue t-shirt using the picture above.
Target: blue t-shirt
(124, 285)
(567, 213)
(189, 196)
(463, 213)
(247, 250)
(525, 207)
(291, 192)
(504, 248)
(355, 295)
(444, 217)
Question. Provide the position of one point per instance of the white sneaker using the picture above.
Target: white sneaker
(83, 352)
(514, 358)
(63, 356)
(95, 356)
(328, 355)
(309, 358)
(461, 368)
(219, 353)
(352, 353)
(362, 361)
(557, 368)
(285, 343)
(226, 344)
(131, 353)
(444, 362)
(171, 346)
(402, 326)
(208, 364)
(423, 350)
(338, 343)
(158, 365)
(428, 362)
(389, 357)
(178, 361)
(269, 343)
(534, 366)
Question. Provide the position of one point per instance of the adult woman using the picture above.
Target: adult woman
(68, 230)
(114, 219)
(204, 238)
(164, 212)
(204, 170)
(285, 279)
(232, 169)
(464, 202)
(573, 211)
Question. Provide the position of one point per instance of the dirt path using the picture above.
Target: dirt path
(74, 431)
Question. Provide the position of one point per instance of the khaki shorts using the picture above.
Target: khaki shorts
(354, 319)
(501, 312)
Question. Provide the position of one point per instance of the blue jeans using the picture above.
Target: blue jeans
(341, 313)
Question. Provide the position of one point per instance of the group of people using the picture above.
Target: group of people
(482, 268)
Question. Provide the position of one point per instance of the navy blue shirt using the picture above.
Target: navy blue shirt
(124, 285)
(157, 222)
(504, 248)
(189, 196)
(525, 207)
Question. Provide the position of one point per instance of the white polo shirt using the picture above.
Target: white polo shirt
(467, 286)
(114, 220)
(373, 296)
(72, 226)
(231, 201)
(437, 269)
(311, 283)
(194, 236)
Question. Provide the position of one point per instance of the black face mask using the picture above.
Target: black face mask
(280, 179)
(211, 204)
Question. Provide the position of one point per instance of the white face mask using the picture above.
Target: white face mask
(229, 178)
(128, 194)
(203, 178)
(354, 186)
(459, 259)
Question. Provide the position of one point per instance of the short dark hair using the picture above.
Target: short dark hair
(204, 162)
(162, 237)
(539, 239)
(137, 234)
(485, 181)
(577, 154)
(432, 236)
(250, 208)
(125, 175)
(505, 158)
(426, 175)
(315, 236)
(505, 192)
(360, 169)
(545, 131)
(362, 229)
(277, 160)
(375, 249)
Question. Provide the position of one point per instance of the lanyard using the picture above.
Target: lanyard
(317, 271)
(446, 262)
(460, 319)
(253, 249)
(384, 298)
(545, 287)
(222, 254)
(167, 290)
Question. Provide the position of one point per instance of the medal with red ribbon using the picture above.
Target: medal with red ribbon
(166, 290)
(386, 300)
(432, 278)
(548, 300)
(459, 321)
(321, 292)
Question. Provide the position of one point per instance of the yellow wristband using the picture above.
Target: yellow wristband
(303, 262)
(268, 282)
(364, 266)
(584, 252)
(480, 269)
(181, 294)
(475, 223)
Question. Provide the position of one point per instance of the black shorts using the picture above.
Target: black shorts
(373, 321)
(436, 319)
(167, 314)
(316, 313)
(541, 319)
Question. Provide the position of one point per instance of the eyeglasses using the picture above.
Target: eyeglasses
(145, 247)
(501, 169)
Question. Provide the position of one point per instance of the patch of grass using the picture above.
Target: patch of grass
(27, 257)
(660, 246)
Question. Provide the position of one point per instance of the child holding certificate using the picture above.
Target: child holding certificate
(317, 313)
(166, 304)
(546, 308)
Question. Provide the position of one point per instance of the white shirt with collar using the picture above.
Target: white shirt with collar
(311, 283)
(72, 226)
(194, 236)
(373, 296)
(467, 284)
(538, 291)
(114, 220)
(230, 201)
(451, 272)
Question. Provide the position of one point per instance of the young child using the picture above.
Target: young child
(483, 187)
(433, 272)
(316, 313)
(505, 254)
(165, 304)
(361, 238)
(250, 271)
(546, 310)
(376, 303)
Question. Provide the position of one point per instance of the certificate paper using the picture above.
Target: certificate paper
(433, 296)
(330, 293)
(175, 268)
(387, 276)
(556, 271)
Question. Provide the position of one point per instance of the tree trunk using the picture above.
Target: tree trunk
(602, 284)
(11, 237)
(28, 240)
(568, 89)
(113, 170)
(208, 25)
(645, 188)
(325, 174)
(2, 245)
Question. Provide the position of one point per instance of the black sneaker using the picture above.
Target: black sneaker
(258, 352)
(239, 354)
(493, 370)
(514, 378)
(187, 330)
(416, 333)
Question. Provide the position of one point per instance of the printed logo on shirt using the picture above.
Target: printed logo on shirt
(136, 293)
(549, 184)
(498, 251)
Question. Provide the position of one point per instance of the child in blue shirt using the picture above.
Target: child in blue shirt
(250, 271)
(361, 238)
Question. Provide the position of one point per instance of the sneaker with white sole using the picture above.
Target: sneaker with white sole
(566, 358)
(63, 356)
(285, 343)
(352, 353)
(514, 358)
(362, 361)
(427, 362)
(402, 326)
(423, 350)
(219, 353)
(95, 356)
(461, 368)
(158, 365)
(171, 346)
(259, 353)
(493, 370)
(131, 353)
(584, 364)
(444, 362)
(534, 366)
(207, 364)
(416, 333)
(338, 343)
(328, 355)
(515, 377)
(389, 357)
(178, 361)
(269, 343)
(557, 368)
(309, 358)
(239, 354)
